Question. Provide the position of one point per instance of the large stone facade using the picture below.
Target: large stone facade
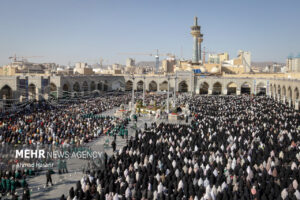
(17, 88)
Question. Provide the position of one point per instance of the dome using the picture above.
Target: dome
(202, 69)
(214, 70)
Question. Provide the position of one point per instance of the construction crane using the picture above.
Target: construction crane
(157, 55)
(23, 58)
(204, 53)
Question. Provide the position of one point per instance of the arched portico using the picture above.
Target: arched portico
(53, 91)
(231, 88)
(66, 92)
(32, 91)
(105, 86)
(6, 93)
(93, 86)
(152, 86)
(76, 89)
(217, 88)
(140, 85)
(261, 88)
(128, 85)
(183, 87)
(163, 86)
(204, 88)
(100, 86)
(85, 88)
(246, 88)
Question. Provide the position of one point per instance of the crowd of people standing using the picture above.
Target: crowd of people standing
(236, 147)
(48, 124)
(45, 125)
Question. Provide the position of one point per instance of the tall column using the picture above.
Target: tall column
(175, 89)
(199, 51)
(132, 98)
(200, 39)
(195, 31)
(192, 83)
(195, 56)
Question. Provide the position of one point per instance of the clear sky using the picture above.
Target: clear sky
(86, 30)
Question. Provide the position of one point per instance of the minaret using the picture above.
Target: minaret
(200, 40)
(195, 31)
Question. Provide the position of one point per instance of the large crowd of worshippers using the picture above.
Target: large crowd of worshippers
(49, 124)
(44, 125)
(239, 147)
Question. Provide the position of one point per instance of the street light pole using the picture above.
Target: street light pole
(144, 91)
(175, 88)
(168, 106)
(132, 98)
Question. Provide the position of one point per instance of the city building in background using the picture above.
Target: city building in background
(25, 67)
(130, 62)
(169, 65)
(241, 64)
(293, 63)
(83, 69)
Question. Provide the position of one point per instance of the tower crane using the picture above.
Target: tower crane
(156, 55)
(23, 58)
(206, 52)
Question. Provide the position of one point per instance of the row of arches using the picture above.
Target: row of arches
(85, 89)
(283, 92)
(278, 90)
(154, 87)
(66, 89)
(6, 92)
(231, 88)
(102, 86)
